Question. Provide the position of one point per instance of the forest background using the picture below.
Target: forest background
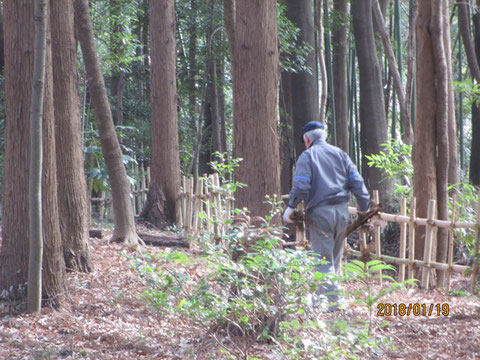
(169, 84)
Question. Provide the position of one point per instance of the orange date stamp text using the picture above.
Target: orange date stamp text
(413, 309)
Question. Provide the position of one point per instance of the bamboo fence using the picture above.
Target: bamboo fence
(195, 202)
(207, 207)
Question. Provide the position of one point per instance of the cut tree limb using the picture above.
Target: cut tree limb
(158, 240)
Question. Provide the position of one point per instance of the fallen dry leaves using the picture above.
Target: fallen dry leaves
(105, 318)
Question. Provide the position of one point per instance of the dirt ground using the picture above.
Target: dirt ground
(106, 319)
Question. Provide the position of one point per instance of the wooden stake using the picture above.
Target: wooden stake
(143, 185)
(376, 235)
(363, 242)
(218, 204)
(427, 259)
(403, 241)
(183, 202)
(138, 194)
(148, 177)
(411, 239)
(188, 219)
(191, 208)
(196, 200)
(300, 228)
(208, 193)
(450, 241)
(476, 259)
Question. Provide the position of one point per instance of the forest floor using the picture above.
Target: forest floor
(106, 318)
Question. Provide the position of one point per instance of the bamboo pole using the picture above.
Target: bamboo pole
(300, 227)
(216, 205)
(138, 185)
(418, 221)
(143, 186)
(476, 250)
(196, 202)
(183, 202)
(363, 242)
(376, 235)
(450, 241)
(149, 178)
(419, 263)
(411, 238)
(427, 258)
(208, 193)
(189, 202)
(182, 209)
(403, 241)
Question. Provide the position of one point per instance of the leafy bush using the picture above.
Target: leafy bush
(246, 286)
(395, 160)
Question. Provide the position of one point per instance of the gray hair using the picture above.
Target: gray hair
(315, 134)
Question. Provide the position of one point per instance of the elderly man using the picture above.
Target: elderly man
(324, 176)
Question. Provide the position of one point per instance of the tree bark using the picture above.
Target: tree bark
(18, 22)
(474, 174)
(424, 161)
(321, 63)
(72, 186)
(339, 45)
(35, 176)
(411, 45)
(255, 68)
(229, 15)
(124, 230)
(441, 94)
(165, 149)
(465, 32)
(453, 163)
(304, 87)
(286, 142)
(373, 129)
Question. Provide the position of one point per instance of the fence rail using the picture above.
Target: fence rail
(208, 197)
(194, 202)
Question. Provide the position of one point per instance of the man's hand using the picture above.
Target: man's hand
(287, 215)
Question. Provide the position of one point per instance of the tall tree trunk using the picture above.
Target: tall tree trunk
(229, 15)
(122, 206)
(321, 63)
(2, 53)
(304, 87)
(192, 60)
(216, 129)
(72, 186)
(372, 109)
(474, 174)
(35, 176)
(453, 167)
(442, 113)
(163, 197)
(465, 31)
(339, 44)
(425, 169)
(221, 102)
(18, 21)
(286, 142)
(256, 103)
(54, 281)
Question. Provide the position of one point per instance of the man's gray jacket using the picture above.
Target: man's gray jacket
(324, 175)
